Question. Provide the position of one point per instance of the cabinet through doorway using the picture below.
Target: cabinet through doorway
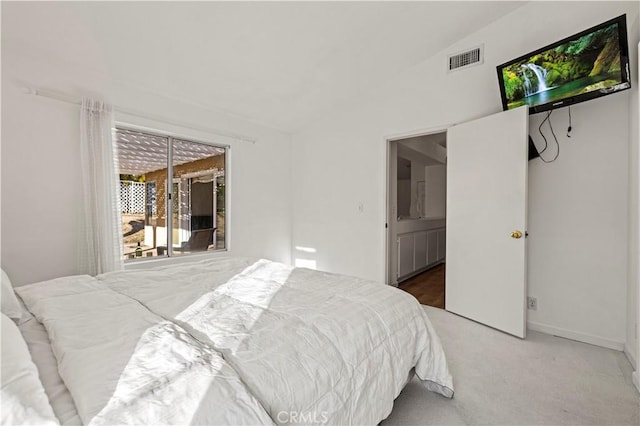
(417, 209)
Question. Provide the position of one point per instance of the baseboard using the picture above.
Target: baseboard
(635, 377)
(630, 357)
(575, 335)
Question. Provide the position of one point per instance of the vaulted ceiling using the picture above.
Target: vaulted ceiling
(282, 64)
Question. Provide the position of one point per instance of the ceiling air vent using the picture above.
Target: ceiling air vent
(466, 59)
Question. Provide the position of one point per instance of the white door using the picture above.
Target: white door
(486, 220)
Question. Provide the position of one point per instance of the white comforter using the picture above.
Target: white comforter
(125, 365)
(312, 347)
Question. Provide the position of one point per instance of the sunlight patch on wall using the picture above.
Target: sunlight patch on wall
(306, 249)
(305, 263)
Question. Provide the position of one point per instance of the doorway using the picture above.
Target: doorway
(483, 226)
(202, 202)
(416, 211)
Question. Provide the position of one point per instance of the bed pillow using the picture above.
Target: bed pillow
(9, 303)
(24, 401)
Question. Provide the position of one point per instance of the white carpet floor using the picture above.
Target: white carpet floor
(502, 380)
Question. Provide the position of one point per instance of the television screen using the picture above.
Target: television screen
(590, 64)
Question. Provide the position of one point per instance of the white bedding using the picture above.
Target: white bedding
(312, 347)
(23, 399)
(125, 365)
(37, 340)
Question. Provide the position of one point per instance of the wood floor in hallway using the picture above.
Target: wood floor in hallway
(427, 287)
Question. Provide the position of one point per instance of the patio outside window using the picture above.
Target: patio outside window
(195, 197)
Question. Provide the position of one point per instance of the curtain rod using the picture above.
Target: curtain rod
(63, 97)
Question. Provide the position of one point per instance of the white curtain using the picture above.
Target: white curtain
(101, 249)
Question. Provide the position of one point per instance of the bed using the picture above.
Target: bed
(228, 341)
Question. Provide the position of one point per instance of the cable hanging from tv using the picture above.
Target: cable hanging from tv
(547, 119)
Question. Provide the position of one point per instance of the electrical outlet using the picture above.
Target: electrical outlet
(532, 303)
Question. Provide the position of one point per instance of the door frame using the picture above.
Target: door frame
(389, 214)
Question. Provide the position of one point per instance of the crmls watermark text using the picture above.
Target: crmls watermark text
(306, 417)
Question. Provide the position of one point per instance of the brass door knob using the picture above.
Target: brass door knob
(516, 234)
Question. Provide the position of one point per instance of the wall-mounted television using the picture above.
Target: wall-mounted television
(584, 66)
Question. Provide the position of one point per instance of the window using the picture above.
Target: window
(194, 196)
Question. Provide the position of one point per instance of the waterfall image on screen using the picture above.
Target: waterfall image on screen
(582, 65)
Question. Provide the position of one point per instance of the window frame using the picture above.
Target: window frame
(182, 134)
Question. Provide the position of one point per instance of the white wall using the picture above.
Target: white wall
(404, 197)
(41, 173)
(578, 205)
(632, 343)
(632, 347)
(417, 175)
(578, 224)
(436, 191)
